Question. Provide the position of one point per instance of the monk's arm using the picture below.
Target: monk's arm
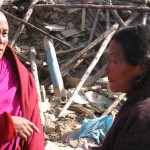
(7, 130)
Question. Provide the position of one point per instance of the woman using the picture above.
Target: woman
(20, 125)
(128, 71)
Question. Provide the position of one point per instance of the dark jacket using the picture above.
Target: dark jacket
(131, 127)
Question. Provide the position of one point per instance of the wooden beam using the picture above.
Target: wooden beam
(34, 71)
(111, 7)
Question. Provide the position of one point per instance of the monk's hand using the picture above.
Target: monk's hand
(24, 127)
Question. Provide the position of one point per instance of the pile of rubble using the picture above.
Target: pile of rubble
(79, 32)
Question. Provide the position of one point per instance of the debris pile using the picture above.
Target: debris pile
(64, 44)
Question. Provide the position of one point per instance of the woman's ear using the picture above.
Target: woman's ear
(140, 70)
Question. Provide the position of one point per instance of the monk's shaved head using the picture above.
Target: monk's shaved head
(2, 17)
(4, 30)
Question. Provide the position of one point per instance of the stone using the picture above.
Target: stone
(69, 32)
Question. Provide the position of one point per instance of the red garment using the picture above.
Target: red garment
(7, 130)
(29, 106)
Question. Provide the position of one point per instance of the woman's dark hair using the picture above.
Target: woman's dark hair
(135, 42)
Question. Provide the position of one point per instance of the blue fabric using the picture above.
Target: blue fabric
(96, 128)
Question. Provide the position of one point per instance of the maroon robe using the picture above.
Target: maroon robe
(29, 106)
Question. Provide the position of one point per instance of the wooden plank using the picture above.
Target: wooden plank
(83, 19)
(114, 104)
(111, 7)
(35, 72)
(136, 1)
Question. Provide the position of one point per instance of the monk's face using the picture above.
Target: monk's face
(120, 73)
(3, 34)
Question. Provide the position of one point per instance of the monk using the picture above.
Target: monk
(20, 124)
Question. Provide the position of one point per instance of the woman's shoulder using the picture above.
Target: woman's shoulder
(141, 110)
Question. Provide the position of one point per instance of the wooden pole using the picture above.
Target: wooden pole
(83, 19)
(34, 71)
(53, 67)
(43, 93)
(116, 16)
(136, 1)
(87, 72)
(114, 104)
(144, 19)
(94, 26)
(111, 7)
(60, 52)
(99, 74)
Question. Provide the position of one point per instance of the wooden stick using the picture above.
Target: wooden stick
(73, 10)
(111, 7)
(81, 109)
(59, 52)
(32, 26)
(116, 16)
(94, 26)
(84, 57)
(83, 19)
(107, 19)
(43, 93)
(91, 17)
(136, 1)
(99, 74)
(73, 35)
(35, 72)
(114, 104)
(107, 16)
(87, 73)
(144, 19)
(26, 18)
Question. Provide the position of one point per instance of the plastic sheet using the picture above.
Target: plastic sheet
(96, 128)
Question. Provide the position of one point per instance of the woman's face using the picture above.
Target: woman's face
(3, 34)
(119, 72)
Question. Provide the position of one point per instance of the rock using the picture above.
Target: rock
(55, 27)
(70, 25)
(54, 16)
(69, 32)
(49, 124)
(44, 106)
